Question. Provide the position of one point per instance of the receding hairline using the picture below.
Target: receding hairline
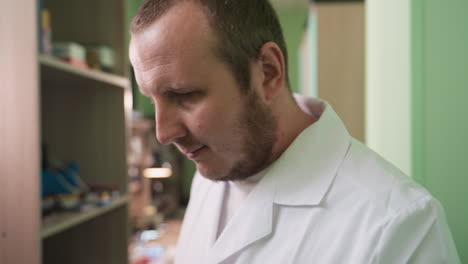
(201, 24)
(145, 18)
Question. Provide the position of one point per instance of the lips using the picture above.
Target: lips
(195, 152)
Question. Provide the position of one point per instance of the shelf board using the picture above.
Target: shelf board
(61, 222)
(55, 69)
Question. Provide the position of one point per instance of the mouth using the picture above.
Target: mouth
(195, 152)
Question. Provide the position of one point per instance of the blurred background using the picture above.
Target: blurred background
(83, 179)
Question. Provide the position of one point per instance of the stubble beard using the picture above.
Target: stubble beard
(258, 129)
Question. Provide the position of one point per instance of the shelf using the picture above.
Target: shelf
(53, 69)
(61, 222)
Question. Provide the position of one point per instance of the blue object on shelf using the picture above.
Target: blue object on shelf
(71, 174)
(53, 183)
(64, 181)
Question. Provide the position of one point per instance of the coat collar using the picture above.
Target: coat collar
(305, 171)
(301, 176)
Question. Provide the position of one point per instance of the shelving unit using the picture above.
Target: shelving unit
(83, 118)
(80, 115)
(55, 70)
(61, 222)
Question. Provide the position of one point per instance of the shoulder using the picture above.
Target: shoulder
(410, 222)
(379, 182)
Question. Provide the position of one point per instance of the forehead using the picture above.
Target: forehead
(183, 31)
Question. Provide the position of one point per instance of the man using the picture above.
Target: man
(279, 178)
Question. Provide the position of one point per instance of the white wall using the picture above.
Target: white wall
(388, 83)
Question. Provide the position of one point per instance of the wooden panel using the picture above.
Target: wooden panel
(341, 62)
(19, 147)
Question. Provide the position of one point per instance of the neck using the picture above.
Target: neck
(291, 122)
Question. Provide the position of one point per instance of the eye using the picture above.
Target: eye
(185, 97)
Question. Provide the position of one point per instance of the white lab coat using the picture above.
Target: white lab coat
(327, 199)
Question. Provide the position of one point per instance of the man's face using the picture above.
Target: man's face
(199, 105)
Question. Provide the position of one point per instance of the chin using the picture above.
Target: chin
(226, 175)
(210, 173)
(220, 175)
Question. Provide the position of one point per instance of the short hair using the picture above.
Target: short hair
(241, 27)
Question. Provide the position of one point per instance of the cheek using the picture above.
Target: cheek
(201, 122)
(212, 116)
(210, 127)
(212, 124)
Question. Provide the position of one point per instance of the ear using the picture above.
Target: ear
(272, 65)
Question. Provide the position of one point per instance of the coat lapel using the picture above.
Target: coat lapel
(253, 221)
(211, 222)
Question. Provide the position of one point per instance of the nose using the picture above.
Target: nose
(169, 124)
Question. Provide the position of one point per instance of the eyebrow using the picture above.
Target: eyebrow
(180, 88)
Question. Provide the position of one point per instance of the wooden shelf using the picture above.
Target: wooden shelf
(61, 222)
(53, 69)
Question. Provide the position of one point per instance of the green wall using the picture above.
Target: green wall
(293, 22)
(440, 112)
